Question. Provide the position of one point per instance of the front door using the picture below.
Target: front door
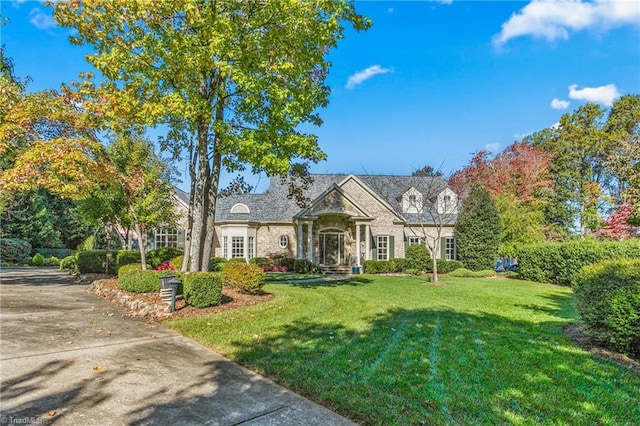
(331, 248)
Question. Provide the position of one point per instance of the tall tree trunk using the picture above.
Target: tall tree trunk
(203, 184)
(141, 245)
(186, 261)
(213, 190)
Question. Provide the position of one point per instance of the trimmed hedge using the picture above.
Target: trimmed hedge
(60, 253)
(376, 266)
(447, 266)
(243, 277)
(93, 262)
(127, 257)
(608, 302)
(559, 263)
(260, 261)
(287, 262)
(14, 250)
(132, 278)
(203, 289)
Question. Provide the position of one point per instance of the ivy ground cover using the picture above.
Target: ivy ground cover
(397, 350)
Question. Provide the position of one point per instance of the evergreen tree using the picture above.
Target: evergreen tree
(478, 230)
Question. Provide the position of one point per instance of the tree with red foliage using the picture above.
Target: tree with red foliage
(617, 226)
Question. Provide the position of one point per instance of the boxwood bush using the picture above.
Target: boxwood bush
(243, 277)
(69, 264)
(608, 302)
(37, 260)
(446, 266)
(132, 278)
(376, 266)
(202, 289)
(559, 263)
(417, 257)
(14, 250)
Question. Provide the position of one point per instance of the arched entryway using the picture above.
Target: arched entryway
(331, 247)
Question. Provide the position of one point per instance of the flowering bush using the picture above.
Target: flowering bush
(164, 267)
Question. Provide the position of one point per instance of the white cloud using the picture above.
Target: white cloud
(362, 76)
(555, 19)
(604, 95)
(41, 20)
(559, 104)
(493, 147)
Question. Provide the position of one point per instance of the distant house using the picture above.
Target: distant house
(346, 220)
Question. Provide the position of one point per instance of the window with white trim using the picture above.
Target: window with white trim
(250, 250)
(383, 247)
(412, 241)
(450, 248)
(225, 247)
(284, 241)
(166, 238)
(237, 247)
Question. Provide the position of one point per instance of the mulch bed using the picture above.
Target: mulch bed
(576, 333)
(231, 299)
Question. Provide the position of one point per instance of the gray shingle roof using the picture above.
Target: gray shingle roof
(275, 205)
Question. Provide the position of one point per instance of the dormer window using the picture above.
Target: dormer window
(240, 208)
(412, 201)
(447, 202)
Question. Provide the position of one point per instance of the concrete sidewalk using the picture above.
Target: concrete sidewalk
(71, 358)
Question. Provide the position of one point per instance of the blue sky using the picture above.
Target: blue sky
(431, 81)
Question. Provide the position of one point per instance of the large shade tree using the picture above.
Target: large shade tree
(233, 81)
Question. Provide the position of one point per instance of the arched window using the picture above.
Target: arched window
(239, 208)
(284, 241)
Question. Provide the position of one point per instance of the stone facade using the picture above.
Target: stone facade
(344, 220)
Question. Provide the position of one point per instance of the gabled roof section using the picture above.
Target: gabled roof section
(334, 200)
(371, 192)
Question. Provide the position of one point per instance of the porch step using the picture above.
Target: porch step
(335, 270)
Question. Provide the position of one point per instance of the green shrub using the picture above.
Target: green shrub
(164, 254)
(93, 261)
(303, 266)
(52, 261)
(127, 257)
(608, 302)
(15, 251)
(413, 271)
(401, 264)
(446, 266)
(417, 257)
(559, 263)
(176, 262)
(287, 262)
(261, 261)
(243, 277)
(37, 260)
(237, 260)
(467, 273)
(87, 244)
(202, 289)
(132, 278)
(376, 266)
(53, 252)
(69, 264)
(216, 264)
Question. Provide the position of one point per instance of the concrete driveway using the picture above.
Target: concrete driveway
(69, 357)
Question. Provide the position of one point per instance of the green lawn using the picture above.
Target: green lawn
(394, 350)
